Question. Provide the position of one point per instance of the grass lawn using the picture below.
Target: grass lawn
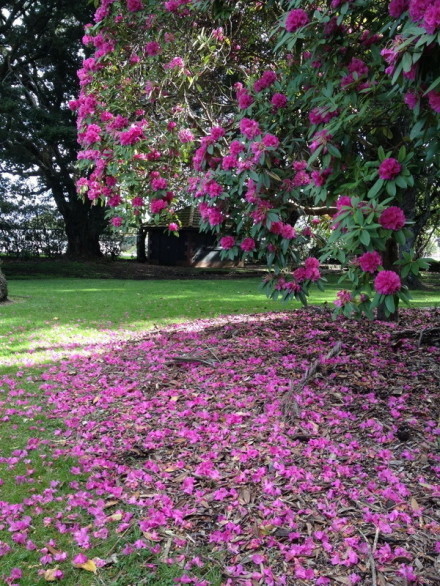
(48, 315)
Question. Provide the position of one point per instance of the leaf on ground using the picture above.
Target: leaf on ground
(89, 566)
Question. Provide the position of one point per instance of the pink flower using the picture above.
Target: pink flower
(370, 261)
(295, 20)
(417, 9)
(236, 147)
(91, 135)
(248, 244)
(116, 221)
(407, 572)
(244, 100)
(173, 227)
(16, 574)
(431, 20)
(387, 283)
(137, 202)
(266, 80)
(249, 128)
(217, 132)
(215, 216)
(300, 274)
(134, 5)
(397, 7)
(270, 141)
(152, 48)
(389, 168)
(343, 200)
(227, 242)
(392, 218)
(81, 558)
(287, 231)
(411, 100)
(434, 101)
(185, 135)
(159, 183)
(131, 136)
(342, 297)
(229, 162)
(311, 263)
(278, 101)
(157, 205)
(175, 63)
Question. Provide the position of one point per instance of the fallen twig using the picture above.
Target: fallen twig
(371, 551)
(184, 358)
(290, 403)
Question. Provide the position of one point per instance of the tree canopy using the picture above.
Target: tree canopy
(293, 115)
(40, 53)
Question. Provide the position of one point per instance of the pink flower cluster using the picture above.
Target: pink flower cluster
(295, 20)
(249, 128)
(387, 283)
(397, 7)
(227, 242)
(286, 231)
(309, 272)
(427, 13)
(152, 48)
(244, 98)
(248, 244)
(389, 168)
(369, 261)
(157, 205)
(213, 215)
(321, 115)
(278, 101)
(134, 5)
(116, 221)
(266, 80)
(131, 136)
(392, 218)
(185, 135)
(159, 183)
(342, 298)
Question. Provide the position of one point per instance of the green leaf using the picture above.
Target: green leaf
(391, 188)
(365, 238)
(400, 237)
(407, 62)
(402, 154)
(389, 303)
(401, 182)
(433, 85)
(376, 188)
(416, 129)
(334, 151)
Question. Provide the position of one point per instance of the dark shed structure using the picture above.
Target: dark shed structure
(191, 248)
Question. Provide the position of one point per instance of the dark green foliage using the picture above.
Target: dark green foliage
(40, 53)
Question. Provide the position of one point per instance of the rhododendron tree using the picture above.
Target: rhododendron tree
(271, 116)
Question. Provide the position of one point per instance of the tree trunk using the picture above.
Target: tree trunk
(3, 288)
(389, 256)
(141, 236)
(83, 222)
(83, 227)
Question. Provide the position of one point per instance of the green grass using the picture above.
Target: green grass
(48, 314)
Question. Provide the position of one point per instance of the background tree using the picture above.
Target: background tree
(40, 53)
